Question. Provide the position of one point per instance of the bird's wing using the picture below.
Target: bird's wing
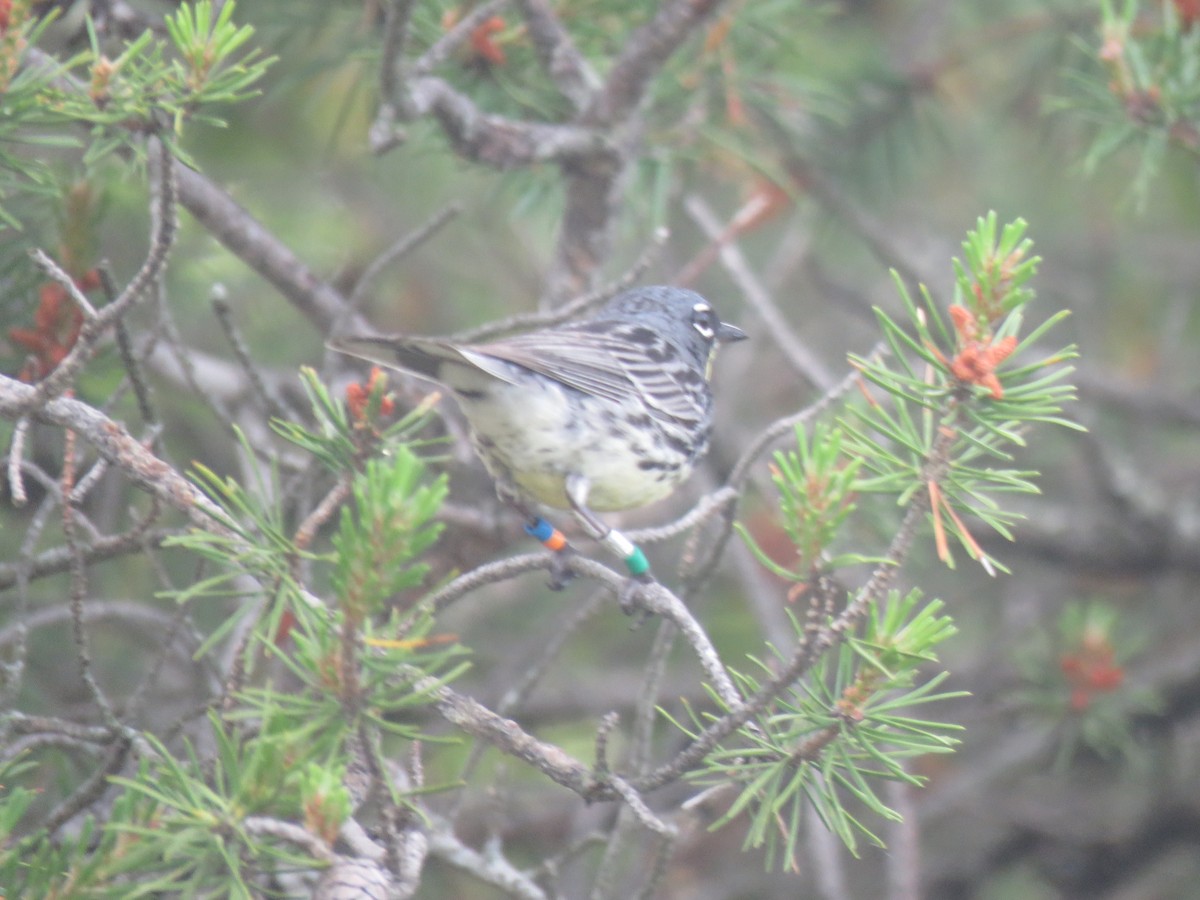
(610, 362)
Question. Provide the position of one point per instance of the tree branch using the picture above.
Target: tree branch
(116, 445)
(560, 58)
(262, 251)
(644, 55)
(164, 226)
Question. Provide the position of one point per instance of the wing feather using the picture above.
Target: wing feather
(602, 362)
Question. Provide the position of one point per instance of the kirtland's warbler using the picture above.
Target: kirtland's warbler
(608, 413)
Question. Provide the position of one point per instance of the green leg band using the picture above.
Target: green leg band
(631, 553)
(636, 562)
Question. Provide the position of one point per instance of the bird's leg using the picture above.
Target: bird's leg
(554, 540)
(629, 552)
(549, 536)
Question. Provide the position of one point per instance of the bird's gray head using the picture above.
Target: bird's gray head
(680, 316)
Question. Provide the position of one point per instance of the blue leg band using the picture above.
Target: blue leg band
(539, 529)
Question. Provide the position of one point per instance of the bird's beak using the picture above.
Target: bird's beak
(727, 334)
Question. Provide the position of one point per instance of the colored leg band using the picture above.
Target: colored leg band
(636, 562)
(551, 537)
(635, 559)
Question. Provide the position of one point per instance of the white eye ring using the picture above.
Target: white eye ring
(702, 320)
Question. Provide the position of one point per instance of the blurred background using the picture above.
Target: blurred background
(797, 152)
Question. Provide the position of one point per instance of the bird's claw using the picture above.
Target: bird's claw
(631, 597)
(561, 572)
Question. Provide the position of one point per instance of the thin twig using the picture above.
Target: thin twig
(639, 756)
(489, 573)
(624, 830)
(113, 442)
(657, 599)
(55, 273)
(280, 830)
(576, 307)
(658, 871)
(133, 367)
(799, 356)
(532, 674)
(445, 46)
(607, 723)
(614, 862)
(644, 54)
(241, 352)
(248, 240)
(701, 511)
(16, 452)
(13, 670)
(84, 485)
(214, 400)
(92, 787)
(504, 142)
(79, 585)
(402, 247)
(163, 227)
(504, 734)
(179, 622)
(58, 559)
(44, 479)
(334, 497)
(94, 735)
(561, 60)
(16, 748)
(133, 376)
(813, 645)
(491, 868)
(384, 134)
(786, 425)
(631, 797)
(646, 713)
(127, 613)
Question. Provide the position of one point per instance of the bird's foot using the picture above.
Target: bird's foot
(561, 572)
(632, 598)
(554, 540)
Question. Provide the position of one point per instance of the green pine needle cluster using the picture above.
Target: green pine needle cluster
(319, 678)
(954, 395)
(829, 738)
(963, 393)
(1136, 89)
(115, 95)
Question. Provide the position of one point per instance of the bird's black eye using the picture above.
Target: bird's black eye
(704, 320)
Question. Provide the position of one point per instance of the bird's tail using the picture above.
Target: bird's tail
(422, 357)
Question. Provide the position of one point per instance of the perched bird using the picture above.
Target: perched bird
(608, 413)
